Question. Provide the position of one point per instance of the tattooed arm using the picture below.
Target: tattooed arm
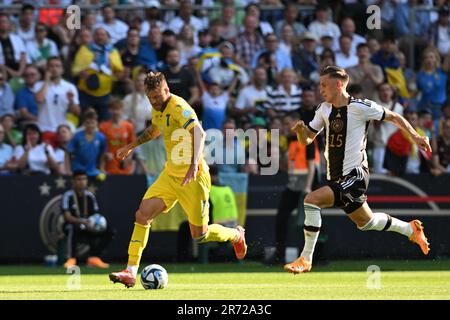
(148, 134)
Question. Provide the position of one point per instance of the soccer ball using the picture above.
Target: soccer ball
(154, 277)
(98, 222)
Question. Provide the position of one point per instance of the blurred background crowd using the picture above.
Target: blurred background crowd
(69, 98)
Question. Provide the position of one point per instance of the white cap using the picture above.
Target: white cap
(152, 3)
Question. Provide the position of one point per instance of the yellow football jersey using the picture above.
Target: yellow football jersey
(174, 124)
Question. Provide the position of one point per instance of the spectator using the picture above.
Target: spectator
(97, 64)
(151, 49)
(374, 45)
(152, 18)
(77, 205)
(288, 40)
(426, 124)
(445, 117)
(285, 97)
(180, 79)
(251, 99)
(115, 28)
(215, 33)
(26, 25)
(81, 38)
(290, 19)
(306, 60)
(55, 97)
(344, 57)
(249, 42)
(118, 133)
(420, 28)
(7, 161)
(87, 147)
(380, 131)
(327, 58)
(432, 83)
(215, 102)
(385, 57)
(348, 28)
(440, 31)
(12, 49)
(25, 103)
(223, 70)
(326, 42)
(282, 60)
(421, 20)
(229, 30)
(186, 44)
(205, 39)
(441, 156)
(264, 27)
(62, 157)
(6, 95)
(137, 107)
(41, 48)
(12, 136)
(365, 73)
(130, 54)
(322, 26)
(185, 17)
(34, 156)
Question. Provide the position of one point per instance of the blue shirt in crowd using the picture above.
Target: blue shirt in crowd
(25, 99)
(433, 87)
(6, 99)
(86, 154)
(421, 22)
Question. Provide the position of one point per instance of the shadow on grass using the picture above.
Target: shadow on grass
(243, 267)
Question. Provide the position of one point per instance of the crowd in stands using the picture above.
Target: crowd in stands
(69, 98)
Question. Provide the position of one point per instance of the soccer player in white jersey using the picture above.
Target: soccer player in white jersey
(346, 121)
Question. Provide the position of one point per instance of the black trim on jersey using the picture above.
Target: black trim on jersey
(384, 115)
(388, 223)
(312, 129)
(336, 152)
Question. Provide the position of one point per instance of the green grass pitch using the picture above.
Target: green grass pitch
(420, 279)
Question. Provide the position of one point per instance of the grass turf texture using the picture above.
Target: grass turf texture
(421, 279)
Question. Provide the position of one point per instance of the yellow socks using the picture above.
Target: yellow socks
(219, 233)
(138, 242)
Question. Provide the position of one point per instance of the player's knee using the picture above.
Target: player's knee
(143, 217)
(314, 199)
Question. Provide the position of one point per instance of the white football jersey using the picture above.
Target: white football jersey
(345, 134)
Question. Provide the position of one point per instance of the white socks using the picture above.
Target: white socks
(313, 222)
(384, 222)
(133, 270)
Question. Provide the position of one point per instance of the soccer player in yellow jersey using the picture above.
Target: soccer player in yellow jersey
(185, 177)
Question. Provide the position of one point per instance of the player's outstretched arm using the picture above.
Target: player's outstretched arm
(402, 123)
(148, 134)
(304, 134)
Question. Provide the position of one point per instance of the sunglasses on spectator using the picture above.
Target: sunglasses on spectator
(41, 30)
(30, 74)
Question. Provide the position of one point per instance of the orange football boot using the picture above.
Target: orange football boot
(240, 247)
(418, 236)
(298, 266)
